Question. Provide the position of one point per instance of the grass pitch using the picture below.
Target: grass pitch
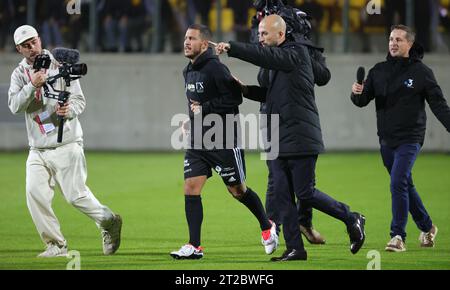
(147, 190)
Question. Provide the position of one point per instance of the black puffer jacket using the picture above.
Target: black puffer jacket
(400, 87)
(290, 94)
(321, 72)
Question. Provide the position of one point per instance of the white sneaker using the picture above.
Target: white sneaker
(111, 236)
(54, 250)
(269, 239)
(427, 239)
(396, 244)
(188, 251)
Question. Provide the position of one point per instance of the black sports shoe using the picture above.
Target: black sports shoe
(291, 255)
(356, 233)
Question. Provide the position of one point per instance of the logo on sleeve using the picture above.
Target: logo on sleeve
(190, 88)
(199, 87)
(409, 83)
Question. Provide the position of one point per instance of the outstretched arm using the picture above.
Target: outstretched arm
(274, 58)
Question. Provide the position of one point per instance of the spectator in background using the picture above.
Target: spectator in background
(134, 25)
(181, 13)
(240, 11)
(203, 7)
(51, 14)
(292, 3)
(335, 11)
(6, 11)
(147, 35)
(77, 24)
(444, 13)
(112, 25)
(445, 19)
(169, 25)
(74, 26)
(315, 10)
(191, 12)
(437, 40)
(395, 14)
(19, 13)
(422, 22)
(364, 20)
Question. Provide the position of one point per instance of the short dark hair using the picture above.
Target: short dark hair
(205, 32)
(410, 34)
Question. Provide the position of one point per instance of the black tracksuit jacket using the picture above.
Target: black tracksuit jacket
(209, 82)
(400, 87)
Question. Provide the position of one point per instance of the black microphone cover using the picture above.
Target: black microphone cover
(66, 55)
(360, 75)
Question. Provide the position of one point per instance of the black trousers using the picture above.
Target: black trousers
(299, 175)
(305, 213)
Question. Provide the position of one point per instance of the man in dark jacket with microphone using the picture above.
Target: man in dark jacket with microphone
(400, 85)
(50, 162)
(290, 95)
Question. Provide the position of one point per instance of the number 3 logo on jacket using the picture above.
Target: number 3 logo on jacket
(409, 83)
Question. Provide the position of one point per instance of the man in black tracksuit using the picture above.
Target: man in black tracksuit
(400, 86)
(291, 97)
(213, 98)
(322, 76)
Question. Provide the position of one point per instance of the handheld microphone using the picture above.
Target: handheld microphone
(66, 55)
(360, 75)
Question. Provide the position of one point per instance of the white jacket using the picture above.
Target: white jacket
(40, 112)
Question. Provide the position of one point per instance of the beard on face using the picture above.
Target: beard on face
(190, 52)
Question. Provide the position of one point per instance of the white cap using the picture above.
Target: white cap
(23, 33)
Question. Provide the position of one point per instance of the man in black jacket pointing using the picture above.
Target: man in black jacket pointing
(400, 85)
(290, 95)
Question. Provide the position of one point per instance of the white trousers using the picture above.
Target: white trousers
(65, 166)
